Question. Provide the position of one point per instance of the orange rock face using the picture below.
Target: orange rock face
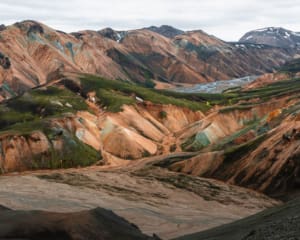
(134, 133)
(267, 79)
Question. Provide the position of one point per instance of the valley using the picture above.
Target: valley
(217, 87)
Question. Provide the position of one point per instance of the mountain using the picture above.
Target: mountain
(165, 30)
(33, 54)
(222, 59)
(273, 36)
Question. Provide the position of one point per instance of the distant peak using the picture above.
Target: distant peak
(28, 22)
(30, 26)
(273, 36)
(108, 29)
(272, 29)
(166, 30)
(168, 26)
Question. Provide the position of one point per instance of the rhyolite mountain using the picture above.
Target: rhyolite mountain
(273, 36)
(33, 54)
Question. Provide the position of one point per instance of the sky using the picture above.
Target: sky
(226, 19)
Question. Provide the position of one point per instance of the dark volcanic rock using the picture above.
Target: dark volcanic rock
(279, 223)
(165, 30)
(4, 61)
(35, 28)
(97, 224)
(2, 27)
(77, 35)
(2, 208)
(30, 26)
(112, 34)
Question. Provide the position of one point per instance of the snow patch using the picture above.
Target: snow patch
(240, 45)
(119, 38)
(262, 30)
(139, 99)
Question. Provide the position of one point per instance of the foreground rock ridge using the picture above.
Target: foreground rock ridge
(94, 224)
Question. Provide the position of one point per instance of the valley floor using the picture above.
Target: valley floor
(156, 200)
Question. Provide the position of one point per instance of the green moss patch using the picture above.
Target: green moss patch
(94, 83)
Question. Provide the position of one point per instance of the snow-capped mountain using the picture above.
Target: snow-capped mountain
(273, 36)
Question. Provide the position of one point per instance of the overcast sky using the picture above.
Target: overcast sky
(227, 19)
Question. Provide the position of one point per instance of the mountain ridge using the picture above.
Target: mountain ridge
(34, 54)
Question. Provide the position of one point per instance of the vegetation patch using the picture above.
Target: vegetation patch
(73, 154)
(114, 100)
(28, 111)
(92, 83)
(163, 114)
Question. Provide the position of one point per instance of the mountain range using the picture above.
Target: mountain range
(32, 54)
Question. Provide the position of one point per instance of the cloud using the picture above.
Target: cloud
(228, 20)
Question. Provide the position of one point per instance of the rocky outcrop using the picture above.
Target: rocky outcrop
(112, 34)
(2, 27)
(35, 28)
(4, 61)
